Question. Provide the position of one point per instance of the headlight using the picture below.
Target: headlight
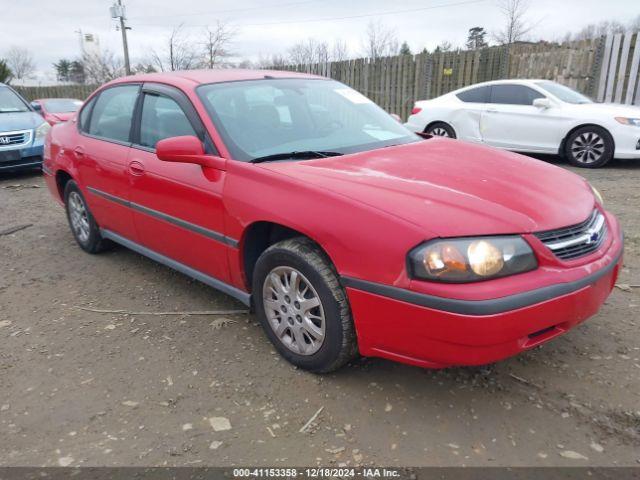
(460, 260)
(597, 194)
(628, 121)
(42, 130)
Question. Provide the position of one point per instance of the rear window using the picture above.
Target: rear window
(62, 105)
(475, 95)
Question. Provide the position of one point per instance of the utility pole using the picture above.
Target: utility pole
(118, 11)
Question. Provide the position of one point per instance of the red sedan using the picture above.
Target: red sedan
(56, 110)
(344, 231)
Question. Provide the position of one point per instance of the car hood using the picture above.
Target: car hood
(452, 188)
(19, 121)
(609, 109)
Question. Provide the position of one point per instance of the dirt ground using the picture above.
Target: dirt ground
(88, 388)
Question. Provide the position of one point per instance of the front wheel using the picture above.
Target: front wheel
(302, 306)
(441, 129)
(589, 147)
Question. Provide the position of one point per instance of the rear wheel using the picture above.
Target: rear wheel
(302, 306)
(441, 129)
(589, 147)
(83, 226)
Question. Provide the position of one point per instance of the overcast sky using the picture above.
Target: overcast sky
(48, 28)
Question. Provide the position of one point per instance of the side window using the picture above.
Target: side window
(83, 121)
(113, 113)
(475, 95)
(162, 118)
(514, 95)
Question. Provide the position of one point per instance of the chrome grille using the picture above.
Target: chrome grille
(577, 240)
(14, 139)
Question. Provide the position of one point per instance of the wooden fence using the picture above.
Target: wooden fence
(58, 91)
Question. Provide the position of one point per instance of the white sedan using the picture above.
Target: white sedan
(533, 116)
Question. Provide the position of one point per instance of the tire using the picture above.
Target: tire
(441, 129)
(83, 226)
(589, 147)
(316, 338)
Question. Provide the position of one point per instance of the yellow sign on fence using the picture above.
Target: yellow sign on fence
(447, 71)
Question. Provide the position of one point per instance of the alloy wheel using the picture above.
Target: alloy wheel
(78, 216)
(588, 147)
(439, 132)
(294, 310)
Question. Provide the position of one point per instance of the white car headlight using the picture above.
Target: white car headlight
(42, 130)
(628, 121)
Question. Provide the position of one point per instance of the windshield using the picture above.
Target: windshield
(62, 105)
(563, 93)
(10, 102)
(272, 116)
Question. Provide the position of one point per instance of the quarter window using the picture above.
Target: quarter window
(475, 95)
(514, 95)
(84, 115)
(162, 118)
(113, 113)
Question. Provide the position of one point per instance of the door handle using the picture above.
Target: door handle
(136, 168)
(492, 110)
(79, 151)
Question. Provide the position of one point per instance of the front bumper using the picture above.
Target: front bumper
(27, 157)
(627, 142)
(435, 332)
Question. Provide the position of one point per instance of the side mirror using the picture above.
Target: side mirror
(542, 103)
(36, 106)
(187, 149)
(396, 117)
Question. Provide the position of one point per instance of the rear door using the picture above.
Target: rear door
(178, 207)
(511, 121)
(101, 153)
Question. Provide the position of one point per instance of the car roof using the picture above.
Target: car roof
(186, 78)
(517, 81)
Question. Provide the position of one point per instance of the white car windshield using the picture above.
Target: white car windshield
(10, 102)
(563, 93)
(259, 118)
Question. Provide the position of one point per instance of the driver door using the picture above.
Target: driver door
(510, 120)
(178, 209)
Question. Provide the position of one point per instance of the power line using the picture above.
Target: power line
(347, 17)
(232, 10)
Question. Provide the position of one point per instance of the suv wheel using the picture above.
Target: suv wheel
(302, 306)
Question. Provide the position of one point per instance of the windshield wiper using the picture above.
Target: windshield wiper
(296, 155)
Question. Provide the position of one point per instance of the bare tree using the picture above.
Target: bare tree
(339, 51)
(308, 52)
(101, 67)
(380, 41)
(216, 44)
(20, 61)
(444, 46)
(179, 52)
(516, 26)
(605, 27)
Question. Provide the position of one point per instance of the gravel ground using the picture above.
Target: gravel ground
(88, 388)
